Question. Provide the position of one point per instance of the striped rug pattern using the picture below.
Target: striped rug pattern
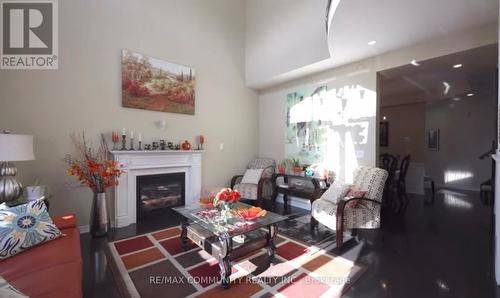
(154, 265)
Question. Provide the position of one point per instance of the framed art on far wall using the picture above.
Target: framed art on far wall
(433, 139)
(384, 134)
(157, 85)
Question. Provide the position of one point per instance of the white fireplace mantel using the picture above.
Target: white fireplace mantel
(140, 163)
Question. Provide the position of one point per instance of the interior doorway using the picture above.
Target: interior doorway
(441, 113)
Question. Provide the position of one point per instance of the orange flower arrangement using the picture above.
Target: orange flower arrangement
(92, 168)
(227, 195)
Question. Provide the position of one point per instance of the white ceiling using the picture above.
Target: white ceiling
(396, 24)
(424, 82)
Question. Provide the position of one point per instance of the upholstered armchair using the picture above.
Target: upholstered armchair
(262, 188)
(345, 215)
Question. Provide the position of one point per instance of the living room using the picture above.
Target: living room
(285, 94)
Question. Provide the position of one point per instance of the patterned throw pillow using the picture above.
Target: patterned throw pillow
(252, 176)
(336, 191)
(24, 226)
(356, 194)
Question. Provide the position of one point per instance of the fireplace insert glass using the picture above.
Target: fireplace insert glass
(155, 193)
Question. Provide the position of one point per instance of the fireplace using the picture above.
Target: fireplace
(157, 193)
(153, 162)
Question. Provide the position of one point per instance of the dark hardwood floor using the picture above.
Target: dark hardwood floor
(443, 249)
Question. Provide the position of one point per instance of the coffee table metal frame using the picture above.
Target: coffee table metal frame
(218, 240)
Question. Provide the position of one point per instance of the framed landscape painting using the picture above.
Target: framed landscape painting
(157, 85)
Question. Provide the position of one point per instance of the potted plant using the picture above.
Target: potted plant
(282, 167)
(92, 168)
(297, 169)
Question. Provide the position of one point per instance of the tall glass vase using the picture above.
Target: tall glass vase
(99, 217)
(225, 210)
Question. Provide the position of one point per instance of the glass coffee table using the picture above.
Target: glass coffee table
(227, 238)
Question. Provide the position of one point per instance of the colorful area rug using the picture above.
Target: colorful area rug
(154, 265)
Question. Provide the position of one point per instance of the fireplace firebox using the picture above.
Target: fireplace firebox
(156, 193)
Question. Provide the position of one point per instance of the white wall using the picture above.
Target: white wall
(362, 73)
(406, 130)
(283, 35)
(467, 128)
(85, 93)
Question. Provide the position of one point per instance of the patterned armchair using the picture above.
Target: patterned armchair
(344, 216)
(256, 191)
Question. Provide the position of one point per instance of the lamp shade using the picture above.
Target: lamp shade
(16, 147)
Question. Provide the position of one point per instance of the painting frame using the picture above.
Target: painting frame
(383, 134)
(157, 85)
(433, 139)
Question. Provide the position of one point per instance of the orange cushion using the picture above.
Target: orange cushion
(66, 221)
(51, 269)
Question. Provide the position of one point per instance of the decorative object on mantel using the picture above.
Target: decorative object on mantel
(124, 139)
(163, 145)
(115, 139)
(93, 169)
(159, 145)
(157, 85)
(13, 148)
(186, 145)
(131, 140)
(201, 141)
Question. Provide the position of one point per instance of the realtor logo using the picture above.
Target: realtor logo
(29, 35)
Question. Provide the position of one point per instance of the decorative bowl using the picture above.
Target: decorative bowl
(206, 201)
(251, 213)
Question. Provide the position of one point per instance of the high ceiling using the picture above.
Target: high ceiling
(287, 42)
(437, 78)
(396, 24)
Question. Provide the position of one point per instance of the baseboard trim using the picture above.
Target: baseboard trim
(456, 187)
(84, 229)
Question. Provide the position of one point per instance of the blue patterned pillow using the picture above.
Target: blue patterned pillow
(24, 226)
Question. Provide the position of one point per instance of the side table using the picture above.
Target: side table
(309, 188)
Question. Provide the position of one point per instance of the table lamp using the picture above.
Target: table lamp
(13, 148)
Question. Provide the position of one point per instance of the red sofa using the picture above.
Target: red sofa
(52, 269)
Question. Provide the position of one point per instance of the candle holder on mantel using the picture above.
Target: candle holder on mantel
(131, 144)
(115, 139)
(124, 143)
(140, 146)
